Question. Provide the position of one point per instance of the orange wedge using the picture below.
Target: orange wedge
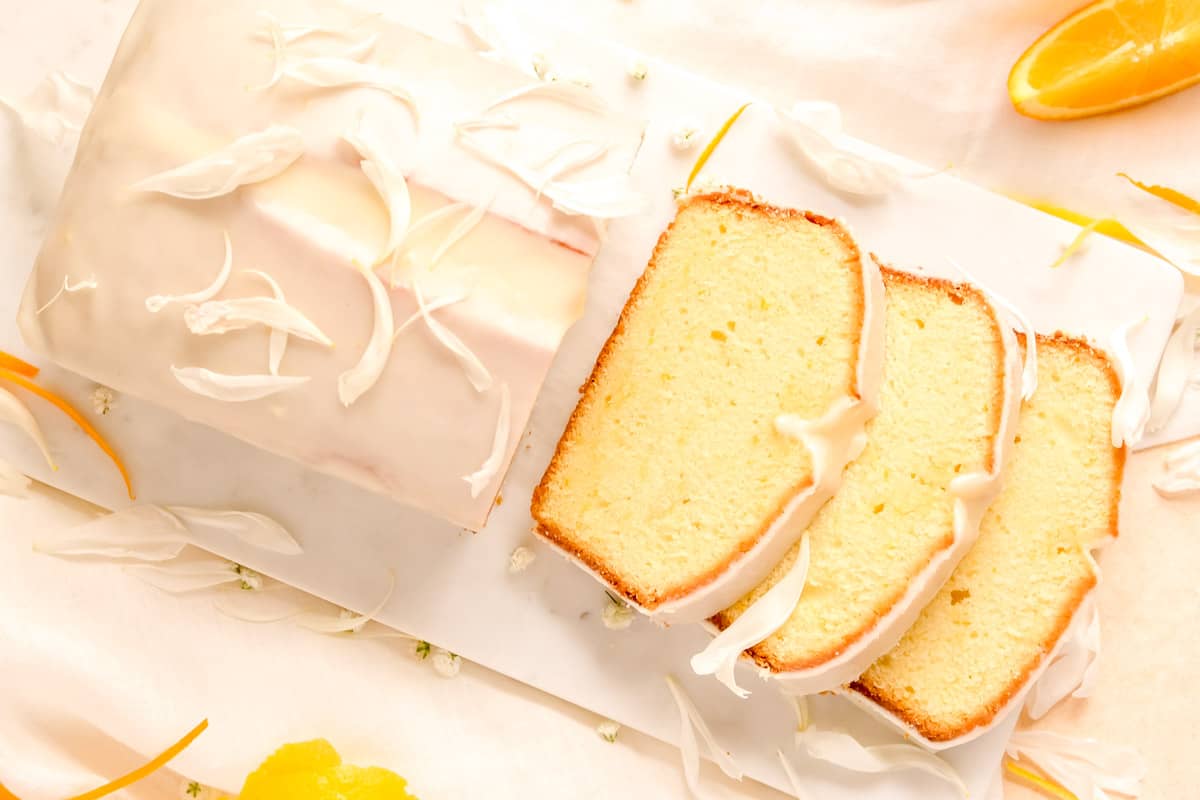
(1109, 55)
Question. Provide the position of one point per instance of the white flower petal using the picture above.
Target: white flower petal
(256, 530)
(145, 533)
(501, 36)
(457, 234)
(475, 370)
(1132, 410)
(330, 72)
(445, 663)
(187, 576)
(252, 158)
(1182, 476)
(388, 179)
(1087, 768)
(764, 616)
(520, 559)
(599, 198)
(14, 411)
(691, 723)
(234, 388)
(608, 730)
(793, 778)
(69, 288)
(160, 301)
(356, 381)
(845, 751)
(56, 110)
(1174, 371)
(277, 344)
(481, 478)
(814, 127)
(1072, 670)
(565, 92)
(325, 623)
(617, 615)
(216, 317)
(13, 482)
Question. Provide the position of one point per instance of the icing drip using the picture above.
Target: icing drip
(1132, 411)
(972, 494)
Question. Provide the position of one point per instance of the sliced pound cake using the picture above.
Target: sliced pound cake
(909, 506)
(975, 648)
(671, 483)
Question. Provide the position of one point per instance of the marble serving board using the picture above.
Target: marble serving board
(542, 626)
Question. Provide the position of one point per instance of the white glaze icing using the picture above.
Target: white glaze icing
(1132, 410)
(168, 101)
(972, 494)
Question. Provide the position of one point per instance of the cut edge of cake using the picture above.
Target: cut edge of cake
(840, 429)
(973, 493)
(1072, 618)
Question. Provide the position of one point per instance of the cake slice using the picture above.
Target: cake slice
(910, 505)
(672, 483)
(318, 152)
(982, 640)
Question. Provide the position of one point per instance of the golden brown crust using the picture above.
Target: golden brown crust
(742, 200)
(958, 293)
(942, 732)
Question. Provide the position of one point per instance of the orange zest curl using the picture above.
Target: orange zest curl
(24, 382)
(11, 362)
(1046, 785)
(155, 764)
(707, 152)
(1172, 196)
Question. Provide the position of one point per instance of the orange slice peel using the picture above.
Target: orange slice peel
(1108, 55)
(11, 362)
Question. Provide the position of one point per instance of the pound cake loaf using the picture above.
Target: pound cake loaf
(981, 641)
(672, 483)
(295, 238)
(910, 505)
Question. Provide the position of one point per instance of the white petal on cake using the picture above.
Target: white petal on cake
(158, 302)
(234, 388)
(356, 381)
(252, 158)
(487, 472)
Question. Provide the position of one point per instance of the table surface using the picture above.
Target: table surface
(926, 80)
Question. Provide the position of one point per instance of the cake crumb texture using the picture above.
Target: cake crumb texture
(1005, 607)
(671, 466)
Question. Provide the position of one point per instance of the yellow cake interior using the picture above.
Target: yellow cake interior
(671, 465)
(940, 409)
(1012, 596)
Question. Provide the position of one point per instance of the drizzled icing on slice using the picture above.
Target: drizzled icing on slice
(1132, 410)
(252, 158)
